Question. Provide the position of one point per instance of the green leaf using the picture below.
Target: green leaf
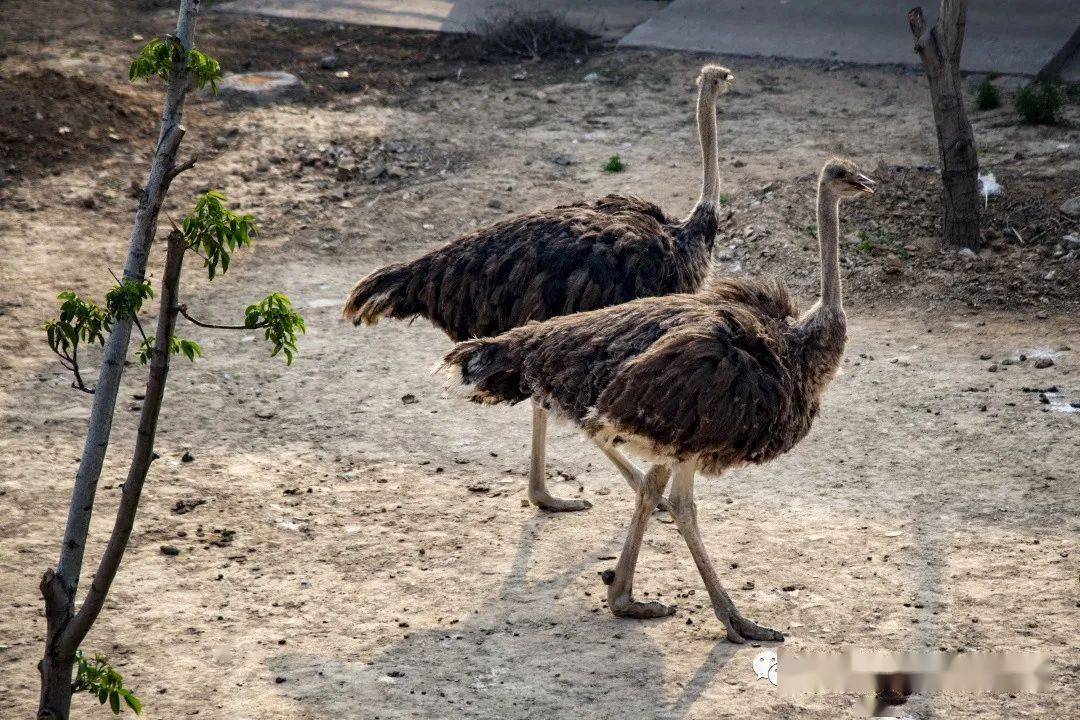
(125, 300)
(104, 682)
(133, 702)
(215, 231)
(80, 320)
(158, 59)
(281, 324)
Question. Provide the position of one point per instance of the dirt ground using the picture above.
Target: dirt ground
(345, 553)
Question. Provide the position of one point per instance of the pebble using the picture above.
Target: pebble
(329, 62)
(1043, 363)
(1071, 207)
(170, 550)
(187, 457)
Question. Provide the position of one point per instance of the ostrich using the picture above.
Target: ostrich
(554, 262)
(705, 381)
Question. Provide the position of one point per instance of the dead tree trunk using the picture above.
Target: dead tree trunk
(59, 587)
(939, 48)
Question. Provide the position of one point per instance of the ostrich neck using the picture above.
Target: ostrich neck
(828, 221)
(706, 120)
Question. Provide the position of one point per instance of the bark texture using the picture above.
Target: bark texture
(939, 49)
(59, 587)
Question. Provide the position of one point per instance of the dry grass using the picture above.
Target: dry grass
(532, 35)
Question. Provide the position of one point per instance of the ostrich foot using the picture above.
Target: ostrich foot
(550, 503)
(626, 607)
(741, 630)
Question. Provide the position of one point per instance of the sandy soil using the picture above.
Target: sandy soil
(344, 553)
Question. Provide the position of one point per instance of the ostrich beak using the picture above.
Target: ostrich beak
(865, 184)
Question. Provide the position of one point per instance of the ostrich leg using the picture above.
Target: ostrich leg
(538, 492)
(621, 581)
(683, 508)
(627, 469)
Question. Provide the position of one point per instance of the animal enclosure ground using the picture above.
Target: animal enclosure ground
(353, 541)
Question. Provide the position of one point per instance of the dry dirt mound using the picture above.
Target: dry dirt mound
(891, 248)
(51, 119)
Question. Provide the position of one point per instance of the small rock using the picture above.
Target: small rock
(187, 457)
(88, 201)
(264, 413)
(409, 399)
(1071, 207)
(560, 159)
(495, 203)
(521, 75)
(184, 506)
(374, 172)
(395, 171)
(985, 356)
(748, 585)
(329, 62)
(592, 77)
(170, 550)
(967, 253)
(1043, 362)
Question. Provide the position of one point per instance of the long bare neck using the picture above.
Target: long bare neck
(828, 222)
(710, 171)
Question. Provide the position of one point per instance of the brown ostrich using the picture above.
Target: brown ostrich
(554, 262)
(706, 381)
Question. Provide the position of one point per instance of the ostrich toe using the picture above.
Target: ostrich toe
(550, 503)
(627, 607)
(741, 630)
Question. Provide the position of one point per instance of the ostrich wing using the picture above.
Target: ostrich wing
(716, 387)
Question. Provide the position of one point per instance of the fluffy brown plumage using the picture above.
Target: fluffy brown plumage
(725, 374)
(549, 263)
(567, 259)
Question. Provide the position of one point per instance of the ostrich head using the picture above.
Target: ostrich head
(715, 78)
(843, 179)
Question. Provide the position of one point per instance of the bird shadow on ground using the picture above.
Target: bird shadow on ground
(517, 655)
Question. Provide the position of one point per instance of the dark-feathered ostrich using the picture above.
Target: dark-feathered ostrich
(556, 262)
(704, 381)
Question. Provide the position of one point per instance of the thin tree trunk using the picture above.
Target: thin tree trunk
(59, 587)
(939, 48)
(144, 446)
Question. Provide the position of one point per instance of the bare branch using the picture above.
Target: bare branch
(917, 23)
(182, 167)
(183, 311)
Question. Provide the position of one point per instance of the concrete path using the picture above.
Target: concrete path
(1008, 36)
(611, 19)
